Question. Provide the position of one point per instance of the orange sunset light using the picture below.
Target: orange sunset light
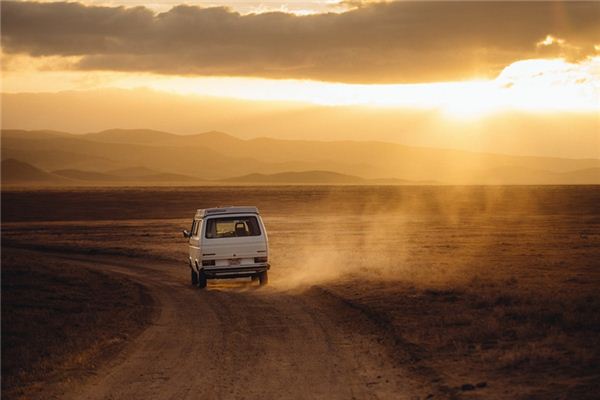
(300, 199)
(464, 61)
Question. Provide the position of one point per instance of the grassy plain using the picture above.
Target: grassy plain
(59, 321)
(484, 292)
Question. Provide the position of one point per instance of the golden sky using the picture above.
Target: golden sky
(463, 60)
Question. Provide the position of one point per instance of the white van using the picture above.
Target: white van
(228, 242)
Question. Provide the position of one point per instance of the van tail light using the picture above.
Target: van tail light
(260, 259)
(206, 263)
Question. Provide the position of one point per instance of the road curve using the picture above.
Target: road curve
(237, 341)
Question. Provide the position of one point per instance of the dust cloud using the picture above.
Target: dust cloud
(427, 235)
(422, 235)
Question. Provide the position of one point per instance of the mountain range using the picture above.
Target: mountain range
(141, 156)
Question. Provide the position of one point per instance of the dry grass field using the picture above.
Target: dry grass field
(60, 320)
(477, 292)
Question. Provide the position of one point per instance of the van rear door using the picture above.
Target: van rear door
(233, 240)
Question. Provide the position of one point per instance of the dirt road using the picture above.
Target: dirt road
(236, 341)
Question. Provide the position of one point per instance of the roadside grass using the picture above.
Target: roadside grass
(510, 336)
(59, 318)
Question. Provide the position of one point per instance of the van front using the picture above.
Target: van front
(233, 246)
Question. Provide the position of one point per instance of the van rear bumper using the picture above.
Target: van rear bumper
(235, 272)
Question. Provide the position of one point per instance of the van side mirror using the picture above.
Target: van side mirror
(186, 234)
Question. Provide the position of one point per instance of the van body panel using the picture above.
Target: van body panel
(228, 242)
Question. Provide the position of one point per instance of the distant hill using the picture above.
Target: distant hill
(79, 175)
(132, 172)
(147, 155)
(14, 171)
(305, 177)
(130, 136)
(166, 177)
(147, 176)
(319, 178)
(395, 181)
(507, 132)
(582, 176)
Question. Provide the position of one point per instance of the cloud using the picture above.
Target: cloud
(380, 42)
(557, 46)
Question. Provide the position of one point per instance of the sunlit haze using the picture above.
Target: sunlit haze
(298, 7)
(308, 53)
(528, 85)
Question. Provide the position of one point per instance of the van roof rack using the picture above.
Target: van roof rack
(204, 212)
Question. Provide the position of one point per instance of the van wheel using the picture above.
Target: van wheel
(263, 278)
(201, 280)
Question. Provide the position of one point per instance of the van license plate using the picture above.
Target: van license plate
(234, 261)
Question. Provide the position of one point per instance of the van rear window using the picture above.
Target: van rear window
(232, 227)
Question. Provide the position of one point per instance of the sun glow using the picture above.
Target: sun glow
(297, 7)
(532, 85)
(541, 85)
(549, 41)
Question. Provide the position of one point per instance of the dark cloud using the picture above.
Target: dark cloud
(384, 42)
